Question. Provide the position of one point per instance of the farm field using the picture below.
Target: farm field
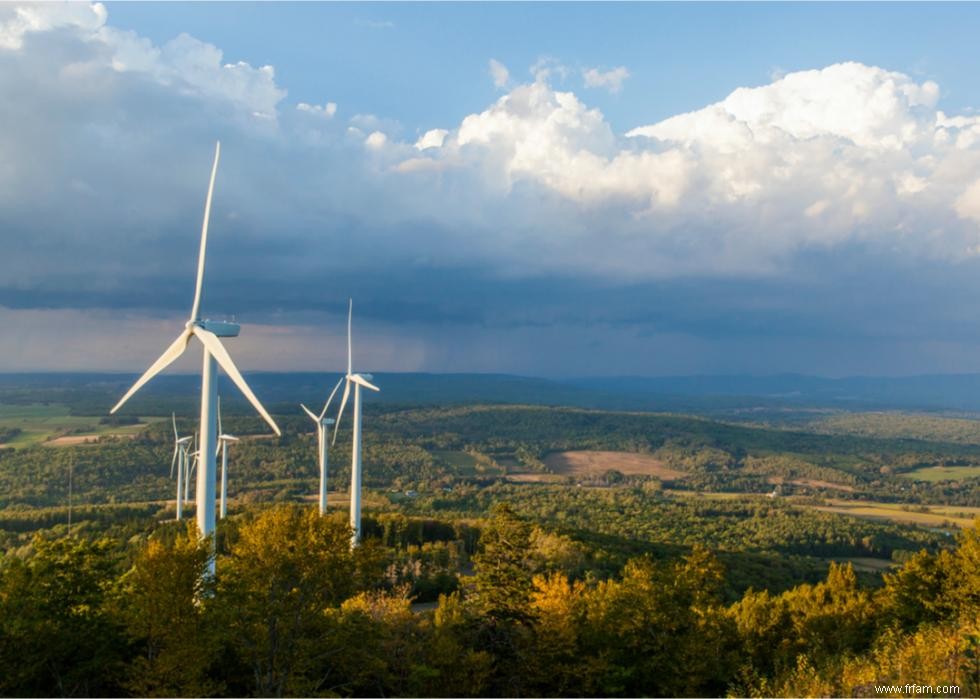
(935, 474)
(588, 463)
(811, 483)
(923, 515)
(53, 425)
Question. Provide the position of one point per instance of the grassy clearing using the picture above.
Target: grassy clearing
(924, 515)
(713, 496)
(52, 425)
(937, 516)
(534, 477)
(933, 474)
(460, 461)
(865, 564)
(811, 483)
(586, 463)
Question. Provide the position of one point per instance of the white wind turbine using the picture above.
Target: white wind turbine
(190, 466)
(224, 439)
(179, 460)
(322, 424)
(207, 332)
(355, 455)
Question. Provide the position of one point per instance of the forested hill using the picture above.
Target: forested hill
(765, 396)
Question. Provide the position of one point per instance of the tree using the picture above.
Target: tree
(286, 568)
(504, 566)
(166, 604)
(58, 636)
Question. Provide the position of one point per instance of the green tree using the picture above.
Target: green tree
(58, 635)
(166, 602)
(286, 567)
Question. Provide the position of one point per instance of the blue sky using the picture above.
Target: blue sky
(425, 64)
(550, 189)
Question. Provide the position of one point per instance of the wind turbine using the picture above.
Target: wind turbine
(179, 460)
(357, 380)
(224, 439)
(207, 332)
(190, 466)
(322, 423)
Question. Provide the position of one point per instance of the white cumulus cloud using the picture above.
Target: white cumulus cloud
(611, 80)
(326, 111)
(499, 73)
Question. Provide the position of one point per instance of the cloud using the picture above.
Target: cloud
(17, 21)
(433, 138)
(611, 80)
(532, 212)
(376, 140)
(548, 67)
(499, 73)
(326, 111)
(843, 155)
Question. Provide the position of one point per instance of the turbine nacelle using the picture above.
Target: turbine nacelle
(363, 380)
(351, 378)
(221, 328)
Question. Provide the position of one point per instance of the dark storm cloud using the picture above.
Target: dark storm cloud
(529, 237)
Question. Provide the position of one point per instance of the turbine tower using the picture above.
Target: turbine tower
(358, 380)
(224, 439)
(190, 466)
(207, 332)
(179, 460)
(322, 424)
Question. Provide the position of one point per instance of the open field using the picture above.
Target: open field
(924, 515)
(534, 477)
(812, 483)
(587, 463)
(702, 495)
(867, 564)
(934, 474)
(52, 425)
(463, 463)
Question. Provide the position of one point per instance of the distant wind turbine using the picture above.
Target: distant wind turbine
(224, 439)
(190, 466)
(180, 461)
(207, 332)
(322, 423)
(357, 380)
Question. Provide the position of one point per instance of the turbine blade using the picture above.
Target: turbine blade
(196, 308)
(166, 359)
(218, 351)
(173, 461)
(361, 381)
(173, 416)
(219, 416)
(350, 314)
(310, 413)
(332, 394)
(343, 404)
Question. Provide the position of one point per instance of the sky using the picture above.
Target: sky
(545, 189)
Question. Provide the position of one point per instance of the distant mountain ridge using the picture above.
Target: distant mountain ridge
(696, 394)
(925, 392)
